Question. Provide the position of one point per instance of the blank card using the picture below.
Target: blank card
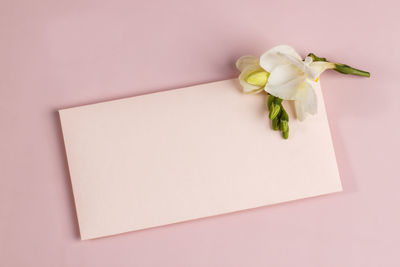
(189, 153)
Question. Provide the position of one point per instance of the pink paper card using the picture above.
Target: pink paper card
(189, 153)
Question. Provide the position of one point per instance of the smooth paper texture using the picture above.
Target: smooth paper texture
(189, 153)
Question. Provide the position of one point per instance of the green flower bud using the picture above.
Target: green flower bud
(275, 124)
(270, 101)
(274, 111)
(284, 115)
(285, 134)
(284, 125)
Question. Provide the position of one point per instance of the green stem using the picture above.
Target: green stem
(342, 68)
(346, 69)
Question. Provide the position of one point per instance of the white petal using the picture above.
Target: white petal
(273, 57)
(306, 100)
(284, 82)
(283, 73)
(300, 112)
(249, 88)
(303, 66)
(246, 61)
(319, 67)
(300, 64)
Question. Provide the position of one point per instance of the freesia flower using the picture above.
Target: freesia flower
(284, 75)
(291, 78)
(252, 77)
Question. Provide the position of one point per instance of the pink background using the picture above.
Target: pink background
(57, 54)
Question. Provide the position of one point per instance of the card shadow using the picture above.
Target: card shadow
(66, 176)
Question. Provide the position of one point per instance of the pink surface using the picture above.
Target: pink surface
(179, 155)
(57, 54)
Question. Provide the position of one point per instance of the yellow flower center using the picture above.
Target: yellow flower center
(258, 78)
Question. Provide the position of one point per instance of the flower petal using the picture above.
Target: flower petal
(273, 57)
(319, 67)
(306, 100)
(246, 61)
(283, 73)
(249, 88)
(304, 66)
(284, 82)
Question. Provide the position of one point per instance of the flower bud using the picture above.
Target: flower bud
(275, 124)
(274, 111)
(285, 134)
(284, 116)
(270, 101)
(284, 125)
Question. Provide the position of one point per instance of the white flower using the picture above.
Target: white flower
(283, 74)
(291, 78)
(250, 65)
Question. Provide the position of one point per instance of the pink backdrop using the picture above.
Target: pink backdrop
(57, 54)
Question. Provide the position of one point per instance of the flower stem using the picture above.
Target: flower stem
(346, 69)
(342, 68)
